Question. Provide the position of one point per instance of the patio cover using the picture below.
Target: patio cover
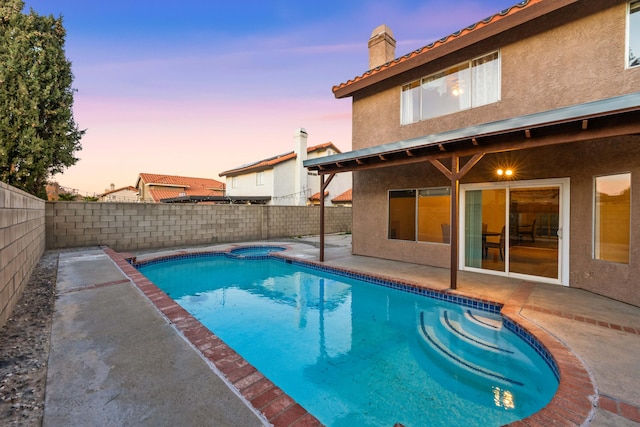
(604, 118)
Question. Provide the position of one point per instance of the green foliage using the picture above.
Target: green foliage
(38, 135)
(89, 199)
(67, 197)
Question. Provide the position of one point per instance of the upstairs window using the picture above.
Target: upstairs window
(234, 182)
(633, 35)
(259, 178)
(467, 85)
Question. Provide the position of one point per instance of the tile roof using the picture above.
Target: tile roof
(344, 197)
(456, 35)
(128, 187)
(169, 193)
(316, 197)
(181, 181)
(272, 161)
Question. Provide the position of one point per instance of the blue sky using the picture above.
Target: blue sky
(196, 87)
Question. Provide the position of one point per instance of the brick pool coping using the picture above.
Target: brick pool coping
(572, 405)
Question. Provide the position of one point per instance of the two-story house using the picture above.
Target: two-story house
(511, 147)
(283, 180)
(157, 188)
(122, 194)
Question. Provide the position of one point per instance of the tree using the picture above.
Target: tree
(38, 135)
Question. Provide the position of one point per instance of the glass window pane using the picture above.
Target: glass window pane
(612, 218)
(434, 207)
(485, 232)
(410, 103)
(486, 79)
(402, 214)
(634, 34)
(446, 92)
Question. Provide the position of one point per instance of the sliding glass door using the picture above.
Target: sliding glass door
(515, 228)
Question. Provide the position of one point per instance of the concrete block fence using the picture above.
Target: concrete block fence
(22, 243)
(135, 226)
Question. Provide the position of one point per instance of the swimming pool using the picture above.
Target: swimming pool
(357, 353)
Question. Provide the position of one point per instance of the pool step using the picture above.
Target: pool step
(443, 349)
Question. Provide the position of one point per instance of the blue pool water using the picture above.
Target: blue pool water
(359, 354)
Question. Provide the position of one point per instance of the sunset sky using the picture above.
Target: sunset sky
(197, 87)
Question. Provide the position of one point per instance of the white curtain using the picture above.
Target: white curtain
(486, 81)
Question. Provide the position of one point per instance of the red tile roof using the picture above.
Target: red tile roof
(170, 193)
(128, 187)
(180, 181)
(172, 186)
(458, 34)
(272, 161)
(316, 197)
(344, 197)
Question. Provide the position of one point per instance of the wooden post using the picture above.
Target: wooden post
(321, 218)
(455, 193)
(323, 187)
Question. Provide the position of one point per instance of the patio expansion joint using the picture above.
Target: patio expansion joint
(619, 407)
(584, 319)
(92, 286)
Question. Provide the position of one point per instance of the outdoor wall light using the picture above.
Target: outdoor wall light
(505, 172)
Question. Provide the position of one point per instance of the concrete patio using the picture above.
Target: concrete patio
(116, 358)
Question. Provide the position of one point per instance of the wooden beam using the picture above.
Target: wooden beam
(627, 128)
(585, 123)
(442, 168)
(527, 133)
(409, 153)
(383, 158)
(360, 162)
(471, 163)
(475, 142)
(441, 147)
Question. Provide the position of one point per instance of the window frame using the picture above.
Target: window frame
(416, 226)
(627, 52)
(259, 178)
(596, 241)
(416, 100)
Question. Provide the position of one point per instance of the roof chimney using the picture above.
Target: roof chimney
(300, 175)
(382, 47)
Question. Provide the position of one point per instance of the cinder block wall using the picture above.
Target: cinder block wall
(22, 243)
(135, 226)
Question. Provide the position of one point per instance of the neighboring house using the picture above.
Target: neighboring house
(511, 148)
(156, 188)
(57, 192)
(283, 179)
(344, 199)
(123, 194)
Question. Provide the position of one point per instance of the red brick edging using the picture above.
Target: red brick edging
(573, 404)
(273, 403)
(584, 319)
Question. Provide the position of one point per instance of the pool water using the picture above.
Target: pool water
(356, 353)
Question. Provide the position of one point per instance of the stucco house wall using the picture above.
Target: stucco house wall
(568, 57)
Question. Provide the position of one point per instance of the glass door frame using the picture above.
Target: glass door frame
(563, 226)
